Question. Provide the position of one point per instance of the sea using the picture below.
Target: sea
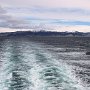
(30, 65)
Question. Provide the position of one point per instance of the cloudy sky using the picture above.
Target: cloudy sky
(59, 15)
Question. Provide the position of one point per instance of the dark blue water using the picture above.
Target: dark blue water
(26, 65)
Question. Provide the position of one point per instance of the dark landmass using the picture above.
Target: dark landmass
(45, 33)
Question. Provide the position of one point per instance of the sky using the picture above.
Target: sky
(55, 15)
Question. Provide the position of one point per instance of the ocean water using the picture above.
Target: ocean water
(27, 65)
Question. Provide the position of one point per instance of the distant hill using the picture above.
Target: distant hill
(44, 33)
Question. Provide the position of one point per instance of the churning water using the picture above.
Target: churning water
(26, 65)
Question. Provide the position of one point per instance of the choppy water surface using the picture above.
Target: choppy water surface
(26, 65)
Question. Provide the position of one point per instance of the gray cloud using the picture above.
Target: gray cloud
(8, 21)
(2, 11)
(75, 11)
(50, 10)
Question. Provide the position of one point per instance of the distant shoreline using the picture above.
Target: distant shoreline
(45, 33)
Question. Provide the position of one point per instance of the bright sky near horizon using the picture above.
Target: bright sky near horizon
(59, 15)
